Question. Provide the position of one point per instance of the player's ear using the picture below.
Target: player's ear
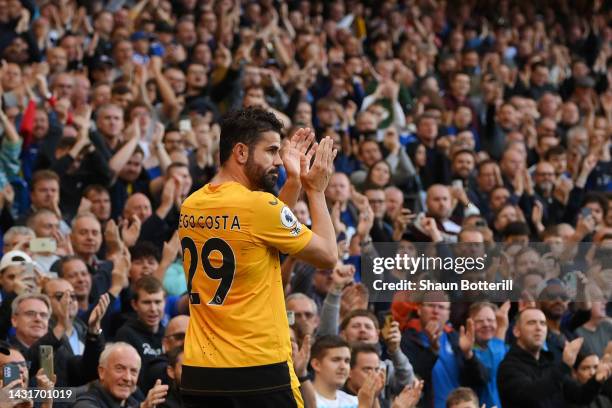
(241, 153)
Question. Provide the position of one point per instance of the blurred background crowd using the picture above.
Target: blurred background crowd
(476, 122)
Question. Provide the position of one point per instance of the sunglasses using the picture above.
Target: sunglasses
(555, 295)
(59, 295)
(176, 336)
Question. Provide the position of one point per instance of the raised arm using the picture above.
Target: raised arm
(321, 251)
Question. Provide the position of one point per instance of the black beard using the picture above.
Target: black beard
(259, 178)
(269, 182)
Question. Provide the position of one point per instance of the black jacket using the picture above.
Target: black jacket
(99, 397)
(155, 370)
(71, 370)
(525, 382)
(173, 399)
(148, 344)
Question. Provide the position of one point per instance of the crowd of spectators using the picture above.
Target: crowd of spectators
(476, 122)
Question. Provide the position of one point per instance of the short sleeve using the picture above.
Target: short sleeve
(275, 224)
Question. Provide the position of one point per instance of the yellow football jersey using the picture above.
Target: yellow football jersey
(238, 336)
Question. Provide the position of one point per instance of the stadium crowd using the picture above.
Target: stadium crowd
(480, 122)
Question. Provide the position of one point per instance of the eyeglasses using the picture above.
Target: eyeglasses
(33, 313)
(176, 336)
(59, 295)
(555, 295)
(25, 364)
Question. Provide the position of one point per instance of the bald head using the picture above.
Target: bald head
(175, 332)
(137, 204)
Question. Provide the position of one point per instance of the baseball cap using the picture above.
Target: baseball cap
(140, 35)
(543, 292)
(13, 258)
(102, 62)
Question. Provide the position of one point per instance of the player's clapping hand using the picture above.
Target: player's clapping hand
(296, 149)
(316, 178)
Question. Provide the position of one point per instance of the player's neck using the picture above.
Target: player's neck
(327, 391)
(227, 175)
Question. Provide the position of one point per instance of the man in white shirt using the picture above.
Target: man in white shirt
(330, 360)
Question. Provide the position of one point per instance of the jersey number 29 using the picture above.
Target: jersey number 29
(224, 272)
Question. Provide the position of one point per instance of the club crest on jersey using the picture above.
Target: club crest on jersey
(287, 218)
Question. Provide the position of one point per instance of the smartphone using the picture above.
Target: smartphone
(10, 373)
(387, 325)
(46, 360)
(586, 212)
(291, 317)
(185, 125)
(418, 220)
(41, 245)
(457, 183)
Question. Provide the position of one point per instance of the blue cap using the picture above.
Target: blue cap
(140, 35)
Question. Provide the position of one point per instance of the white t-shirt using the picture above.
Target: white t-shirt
(343, 400)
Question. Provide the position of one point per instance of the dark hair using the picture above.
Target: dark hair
(550, 231)
(516, 228)
(66, 142)
(486, 162)
(324, 343)
(369, 184)
(364, 348)
(464, 151)
(554, 151)
(145, 249)
(121, 89)
(425, 116)
(245, 126)
(149, 284)
(64, 260)
(97, 188)
(358, 313)
(582, 355)
(597, 198)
